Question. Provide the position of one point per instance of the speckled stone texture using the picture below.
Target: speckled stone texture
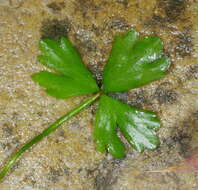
(67, 159)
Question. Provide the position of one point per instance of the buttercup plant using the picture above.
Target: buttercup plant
(133, 62)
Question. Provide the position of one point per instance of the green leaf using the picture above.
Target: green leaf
(138, 126)
(71, 77)
(105, 130)
(133, 62)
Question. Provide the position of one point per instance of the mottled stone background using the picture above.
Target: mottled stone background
(67, 159)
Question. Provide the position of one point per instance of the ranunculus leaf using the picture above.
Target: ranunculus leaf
(138, 126)
(133, 62)
(71, 77)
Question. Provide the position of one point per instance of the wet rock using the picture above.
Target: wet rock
(184, 46)
(96, 70)
(192, 72)
(8, 130)
(138, 99)
(54, 29)
(54, 175)
(171, 10)
(122, 96)
(56, 6)
(123, 2)
(96, 23)
(107, 174)
(117, 23)
(4, 2)
(164, 94)
(184, 135)
(84, 6)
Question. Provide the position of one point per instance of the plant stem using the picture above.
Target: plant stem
(45, 133)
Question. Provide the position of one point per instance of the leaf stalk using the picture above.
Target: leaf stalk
(45, 133)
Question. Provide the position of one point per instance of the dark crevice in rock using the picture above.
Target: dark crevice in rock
(84, 6)
(167, 12)
(170, 10)
(107, 174)
(138, 99)
(55, 174)
(173, 8)
(7, 130)
(54, 29)
(30, 179)
(184, 143)
(192, 72)
(85, 45)
(56, 6)
(116, 23)
(122, 96)
(183, 135)
(97, 71)
(125, 3)
(165, 94)
(184, 46)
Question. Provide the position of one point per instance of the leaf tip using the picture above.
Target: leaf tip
(34, 77)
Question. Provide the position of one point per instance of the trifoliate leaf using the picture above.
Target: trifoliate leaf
(71, 78)
(138, 126)
(133, 62)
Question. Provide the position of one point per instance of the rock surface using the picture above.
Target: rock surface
(67, 159)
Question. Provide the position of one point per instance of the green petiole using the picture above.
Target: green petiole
(45, 133)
